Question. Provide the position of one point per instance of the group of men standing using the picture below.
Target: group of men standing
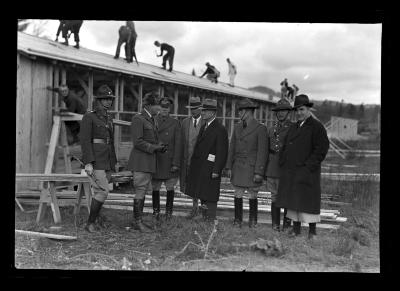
(288, 155)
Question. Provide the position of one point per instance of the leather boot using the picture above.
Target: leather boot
(238, 211)
(170, 204)
(253, 205)
(156, 205)
(312, 231)
(95, 207)
(76, 45)
(276, 217)
(296, 229)
(286, 221)
(137, 214)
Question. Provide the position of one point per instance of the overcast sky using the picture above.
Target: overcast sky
(326, 61)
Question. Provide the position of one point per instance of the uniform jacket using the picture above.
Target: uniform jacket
(300, 160)
(144, 136)
(74, 104)
(212, 141)
(185, 158)
(276, 136)
(98, 124)
(169, 132)
(247, 153)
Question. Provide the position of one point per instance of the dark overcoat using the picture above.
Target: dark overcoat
(169, 132)
(184, 171)
(145, 138)
(212, 141)
(98, 124)
(300, 160)
(247, 153)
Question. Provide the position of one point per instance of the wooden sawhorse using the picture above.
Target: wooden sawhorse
(49, 196)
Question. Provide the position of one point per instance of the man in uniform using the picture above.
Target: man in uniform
(142, 160)
(168, 162)
(276, 135)
(98, 152)
(304, 148)
(190, 130)
(208, 161)
(246, 160)
(169, 56)
(74, 104)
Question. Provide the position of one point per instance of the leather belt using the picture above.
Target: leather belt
(101, 140)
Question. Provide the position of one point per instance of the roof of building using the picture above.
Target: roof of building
(33, 45)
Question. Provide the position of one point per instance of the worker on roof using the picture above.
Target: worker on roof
(232, 71)
(70, 25)
(212, 73)
(169, 56)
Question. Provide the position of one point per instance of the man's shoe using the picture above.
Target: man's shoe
(90, 227)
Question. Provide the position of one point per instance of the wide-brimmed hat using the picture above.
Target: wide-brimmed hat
(194, 102)
(104, 92)
(247, 104)
(151, 98)
(166, 102)
(209, 104)
(302, 100)
(282, 104)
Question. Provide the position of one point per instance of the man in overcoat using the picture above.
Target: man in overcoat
(246, 160)
(304, 148)
(98, 152)
(142, 160)
(168, 162)
(190, 130)
(276, 135)
(208, 160)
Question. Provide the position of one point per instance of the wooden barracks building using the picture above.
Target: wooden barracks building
(42, 63)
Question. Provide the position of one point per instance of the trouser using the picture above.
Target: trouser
(251, 191)
(212, 77)
(169, 184)
(141, 184)
(232, 79)
(169, 56)
(74, 26)
(211, 209)
(101, 177)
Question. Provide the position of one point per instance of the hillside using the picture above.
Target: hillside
(265, 90)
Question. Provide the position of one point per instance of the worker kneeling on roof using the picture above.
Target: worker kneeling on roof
(98, 152)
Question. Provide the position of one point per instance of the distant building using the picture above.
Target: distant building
(343, 128)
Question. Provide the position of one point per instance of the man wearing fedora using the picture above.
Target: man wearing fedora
(304, 148)
(276, 135)
(208, 160)
(189, 131)
(98, 152)
(168, 162)
(246, 160)
(142, 160)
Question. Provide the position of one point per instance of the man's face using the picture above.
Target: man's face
(207, 115)
(195, 112)
(281, 115)
(106, 102)
(164, 111)
(64, 91)
(154, 109)
(302, 112)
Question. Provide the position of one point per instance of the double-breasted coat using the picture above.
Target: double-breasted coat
(247, 153)
(209, 156)
(300, 160)
(184, 170)
(276, 136)
(98, 124)
(145, 138)
(169, 132)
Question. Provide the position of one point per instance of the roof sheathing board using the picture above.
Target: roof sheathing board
(37, 46)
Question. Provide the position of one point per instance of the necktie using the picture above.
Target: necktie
(244, 124)
(195, 123)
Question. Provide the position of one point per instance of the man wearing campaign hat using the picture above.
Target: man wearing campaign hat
(276, 135)
(168, 162)
(304, 148)
(98, 152)
(246, 160)
(190, 130)
(142, 160)
(208, 160)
